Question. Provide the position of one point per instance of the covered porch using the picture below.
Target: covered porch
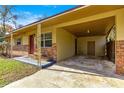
(26, 46)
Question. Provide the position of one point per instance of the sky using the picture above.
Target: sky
(31, 13)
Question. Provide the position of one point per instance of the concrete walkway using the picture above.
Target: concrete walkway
(28, 60)
(63, 76)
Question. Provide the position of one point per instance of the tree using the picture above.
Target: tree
(7, 19)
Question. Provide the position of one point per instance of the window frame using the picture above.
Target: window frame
(44, 39)
(18, 40)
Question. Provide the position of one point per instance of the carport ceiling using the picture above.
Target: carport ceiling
(96, 27)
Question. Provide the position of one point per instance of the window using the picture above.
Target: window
(46, 40)
(18, 41)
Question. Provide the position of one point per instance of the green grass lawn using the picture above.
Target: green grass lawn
(12, 70)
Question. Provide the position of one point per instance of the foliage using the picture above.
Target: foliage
(7, 19)
(1, 39)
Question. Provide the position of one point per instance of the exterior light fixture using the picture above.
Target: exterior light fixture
(88, 31)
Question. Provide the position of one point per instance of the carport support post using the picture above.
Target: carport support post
(11, 44)
(119, 53)
(38, 35)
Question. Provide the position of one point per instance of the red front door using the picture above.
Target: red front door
(31, 44)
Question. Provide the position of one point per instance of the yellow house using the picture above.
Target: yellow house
(85, 30)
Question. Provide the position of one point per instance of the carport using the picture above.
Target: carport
(93, 40)
(91, 37)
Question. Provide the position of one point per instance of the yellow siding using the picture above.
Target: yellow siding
(50, 29)
(65, 44)
(25, 35)
(120, 25)
(15, 38)
(99, 45)
(25, 39)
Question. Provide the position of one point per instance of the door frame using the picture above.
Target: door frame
(76, 47)
(31, 44)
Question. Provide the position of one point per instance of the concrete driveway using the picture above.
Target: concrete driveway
(63, 74)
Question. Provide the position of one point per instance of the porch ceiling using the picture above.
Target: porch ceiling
(96, 27)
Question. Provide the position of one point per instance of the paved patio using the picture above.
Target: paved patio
(68, 74)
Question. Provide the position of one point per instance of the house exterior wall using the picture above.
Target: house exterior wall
(64, 41)
(50, 51)
(50, 29)
(65, 44)
(24, 37)
(100, 42)
(119, 55)
(23, 49)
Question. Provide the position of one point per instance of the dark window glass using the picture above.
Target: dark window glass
(46, 40)
(48, 36)
(18, 41)
(48, 43)
(41, 43)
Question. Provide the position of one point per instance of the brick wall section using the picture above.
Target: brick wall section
(120, 57)
(21, 48)
(50, 52)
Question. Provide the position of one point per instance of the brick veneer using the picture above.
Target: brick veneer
(120, 57)
(50, 52)
(21, 48)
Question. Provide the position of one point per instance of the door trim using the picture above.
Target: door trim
(31, 44)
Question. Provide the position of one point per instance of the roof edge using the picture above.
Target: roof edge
(48, 18)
